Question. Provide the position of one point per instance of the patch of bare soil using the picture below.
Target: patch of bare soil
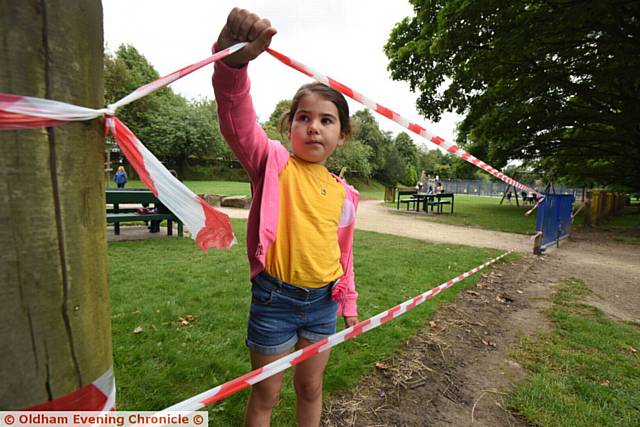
(457, 370)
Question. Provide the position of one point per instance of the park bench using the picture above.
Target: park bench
(436, 201)
(407, 196)
(149, 210)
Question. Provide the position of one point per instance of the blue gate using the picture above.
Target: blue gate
(554, 220)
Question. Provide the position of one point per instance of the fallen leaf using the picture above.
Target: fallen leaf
(519, 291)
(489, 343)
(504, 298)
(632, 350)
(604, 383)
(474, 293)
(135, 312)
(432, 323)
(138, 329)
(382, 365)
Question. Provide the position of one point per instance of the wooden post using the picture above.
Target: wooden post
(55, 324)
(537, 243)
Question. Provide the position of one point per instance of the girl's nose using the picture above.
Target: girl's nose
(312, 129)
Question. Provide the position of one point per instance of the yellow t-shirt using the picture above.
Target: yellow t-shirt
(306, 250)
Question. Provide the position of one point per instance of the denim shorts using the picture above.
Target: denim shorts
(280, 313)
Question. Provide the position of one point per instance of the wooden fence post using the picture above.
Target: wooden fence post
(55, 323)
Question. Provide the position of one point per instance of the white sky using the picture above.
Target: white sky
(342, 39)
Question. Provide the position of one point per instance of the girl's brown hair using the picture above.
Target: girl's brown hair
(327, 93)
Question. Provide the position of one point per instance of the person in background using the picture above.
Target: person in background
(120, 177)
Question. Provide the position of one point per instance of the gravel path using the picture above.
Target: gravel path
(373, 215)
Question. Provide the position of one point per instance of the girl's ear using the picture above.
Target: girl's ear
(343, 139)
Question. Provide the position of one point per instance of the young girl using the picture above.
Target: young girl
(120, 177)
(301, 222)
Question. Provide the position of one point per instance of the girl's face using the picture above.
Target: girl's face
(315, 131)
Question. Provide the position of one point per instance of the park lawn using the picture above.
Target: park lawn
(227, 188)
(584, 373)
(628, 219)
(486, 213)
(191, 310)
(367, 189)
(626, 225)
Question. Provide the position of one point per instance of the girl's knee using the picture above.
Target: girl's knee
(308, 389)
(266, 395)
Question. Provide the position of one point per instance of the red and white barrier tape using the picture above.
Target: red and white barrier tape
(231, 387)
(24, 112)
(170, 78)
(100, 395)
(538, 202)
(208, 226)
(573, 215)
(392, 115)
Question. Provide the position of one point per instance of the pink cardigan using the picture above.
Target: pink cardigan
(264, 159)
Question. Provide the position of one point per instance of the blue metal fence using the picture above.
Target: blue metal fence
(554, 219)
(490, 188)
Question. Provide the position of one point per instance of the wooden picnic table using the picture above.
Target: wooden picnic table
(154, 212)
(435, 200)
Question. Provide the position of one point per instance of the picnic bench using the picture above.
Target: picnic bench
(407, 196)
(436, 200)
(149, 210)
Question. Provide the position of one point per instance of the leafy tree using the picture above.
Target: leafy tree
(553, 82)
(272, 126)
(367, 130)
(354, 155)
(406, 148)
(124, 72)
(410, 175)
(173, 128)
(393, 169)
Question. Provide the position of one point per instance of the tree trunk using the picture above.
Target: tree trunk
(55, 324)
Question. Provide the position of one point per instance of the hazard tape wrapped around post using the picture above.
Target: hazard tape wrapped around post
(231, 387)
(100, 395)
(208, 226)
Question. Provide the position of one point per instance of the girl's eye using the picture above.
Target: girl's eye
(303, 117)
(327, 121)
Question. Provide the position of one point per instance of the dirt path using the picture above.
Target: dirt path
(456, 371)
(373, 215)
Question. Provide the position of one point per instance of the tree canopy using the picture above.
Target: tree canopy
(552, 82)
(172, 127)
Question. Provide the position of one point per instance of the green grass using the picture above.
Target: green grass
(155, 283)
(586, 372)
(368, 189)
(227, 188)
(486, 213)
(628, 219)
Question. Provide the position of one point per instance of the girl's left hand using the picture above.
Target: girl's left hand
(350, 321)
